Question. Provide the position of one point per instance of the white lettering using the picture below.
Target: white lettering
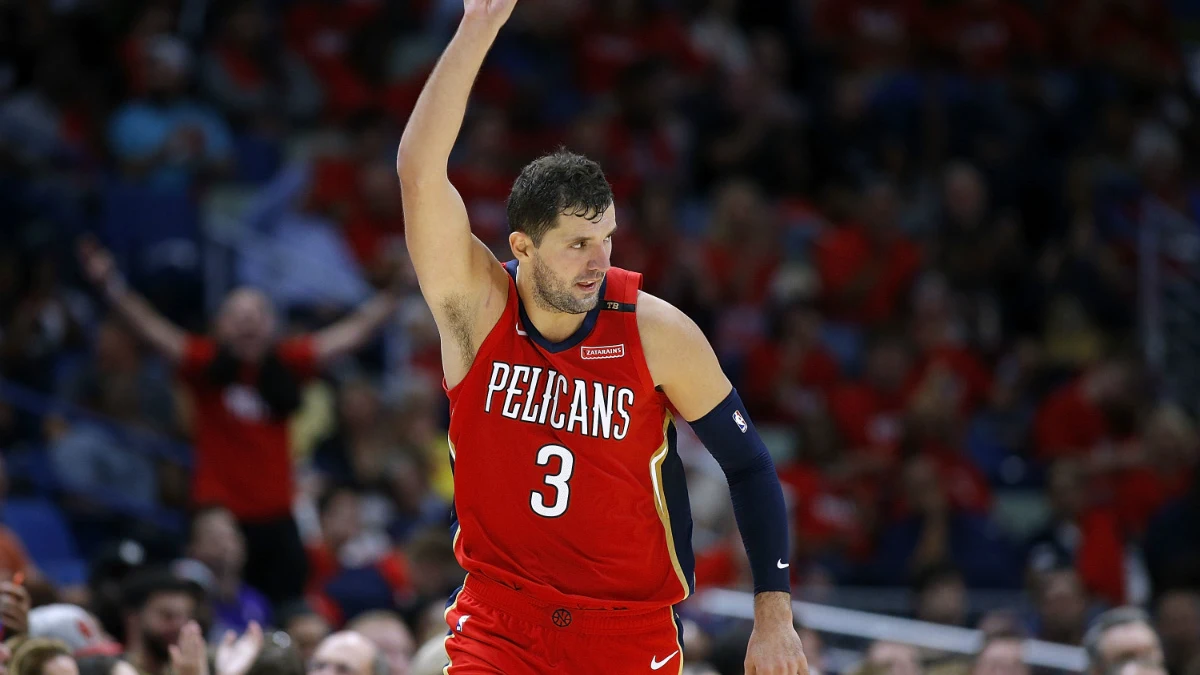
(500, 373)
(559, 420)
(529, 414)
(620, 431)
(519, 374)
(551, 380)
(602, 410)
(579, 408)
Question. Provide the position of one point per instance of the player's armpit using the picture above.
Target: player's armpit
(461, 280)
(680, 359)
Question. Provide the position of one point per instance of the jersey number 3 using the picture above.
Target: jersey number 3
(559, 481)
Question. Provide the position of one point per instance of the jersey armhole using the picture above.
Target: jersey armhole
(489, 343)
(629, 292)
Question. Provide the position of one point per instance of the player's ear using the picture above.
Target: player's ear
(521, 245)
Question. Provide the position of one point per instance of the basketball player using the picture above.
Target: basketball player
(564, 379)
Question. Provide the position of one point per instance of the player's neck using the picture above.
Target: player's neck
(555, 326)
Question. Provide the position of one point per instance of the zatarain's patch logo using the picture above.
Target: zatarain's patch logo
(609, 352)
(740, 421)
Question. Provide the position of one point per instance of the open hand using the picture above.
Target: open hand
(14, 608)
(236, 654)
(190, 655)
(492, 10)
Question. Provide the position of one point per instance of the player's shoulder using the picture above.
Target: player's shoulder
(665, 329)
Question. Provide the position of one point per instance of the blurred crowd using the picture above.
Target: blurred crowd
(909, 228)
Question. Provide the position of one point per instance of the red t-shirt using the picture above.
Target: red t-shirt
(242, 457)
(844, 252)
(1068, 425)
(810, 376)
(971, 380)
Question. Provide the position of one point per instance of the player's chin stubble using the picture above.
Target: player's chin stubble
(551, 294)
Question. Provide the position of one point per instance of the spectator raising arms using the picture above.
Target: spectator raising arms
(245, 384)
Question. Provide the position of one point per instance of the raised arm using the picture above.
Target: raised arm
(683, 364)
(459, 276)
(352, 332)
(98, 266)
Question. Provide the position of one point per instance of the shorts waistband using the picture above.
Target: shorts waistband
(562, 617)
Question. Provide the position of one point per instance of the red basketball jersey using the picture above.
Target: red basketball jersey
(567, 484)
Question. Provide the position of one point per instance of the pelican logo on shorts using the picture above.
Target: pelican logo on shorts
(740, 421)
(561, 618)
(609, 352)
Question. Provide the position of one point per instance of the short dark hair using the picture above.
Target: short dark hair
(561, 183)
(144, 584)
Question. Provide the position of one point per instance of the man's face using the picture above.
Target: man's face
(161, 620)
(1130, 642)
(60, 665)
(1001, 657)
(306, 632)
(246, 324)
(342, 654)
(569, 265)
(217, 542)
(394, 640)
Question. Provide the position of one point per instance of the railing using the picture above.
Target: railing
(868, 626)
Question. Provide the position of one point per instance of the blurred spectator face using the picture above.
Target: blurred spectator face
(307, 631)
(1178, 624)
(1062, 604)
(218, 543)
(486, 140)
(1001, 657)
(392, 637)
(1068, 497)
(166, 62)
(160, 620)
(944, 601)
(246, 324)
(1130, 643)
(345, 653)
(359, 406)
(739, 210)
(888, 365)
(1140, 668)
(965, 194)
(894, 659)
(341, 520)
(1170, 438)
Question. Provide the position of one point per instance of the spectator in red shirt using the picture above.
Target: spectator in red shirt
(867, 269)
(867, 413)
(1092, 418)
(792, 373)
(984, 36)
(1169, 444)
(245, 385)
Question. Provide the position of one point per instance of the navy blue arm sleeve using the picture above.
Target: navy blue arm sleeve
(757, 497)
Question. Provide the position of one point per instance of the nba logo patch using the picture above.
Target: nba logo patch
(740, 421)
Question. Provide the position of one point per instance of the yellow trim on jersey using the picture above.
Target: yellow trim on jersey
(453, 454)
(450, 634)
(660, 500)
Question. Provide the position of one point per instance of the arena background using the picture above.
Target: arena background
(946, 249)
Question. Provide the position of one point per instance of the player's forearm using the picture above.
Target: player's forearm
(437, 118)
(773, 607)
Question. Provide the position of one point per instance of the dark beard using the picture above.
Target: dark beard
(157, 647)
(548, 294)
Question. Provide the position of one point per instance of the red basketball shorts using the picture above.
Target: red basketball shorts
(496, 630)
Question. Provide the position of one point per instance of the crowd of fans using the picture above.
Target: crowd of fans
(908, 227)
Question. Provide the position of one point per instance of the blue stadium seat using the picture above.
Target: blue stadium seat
(42, 528)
